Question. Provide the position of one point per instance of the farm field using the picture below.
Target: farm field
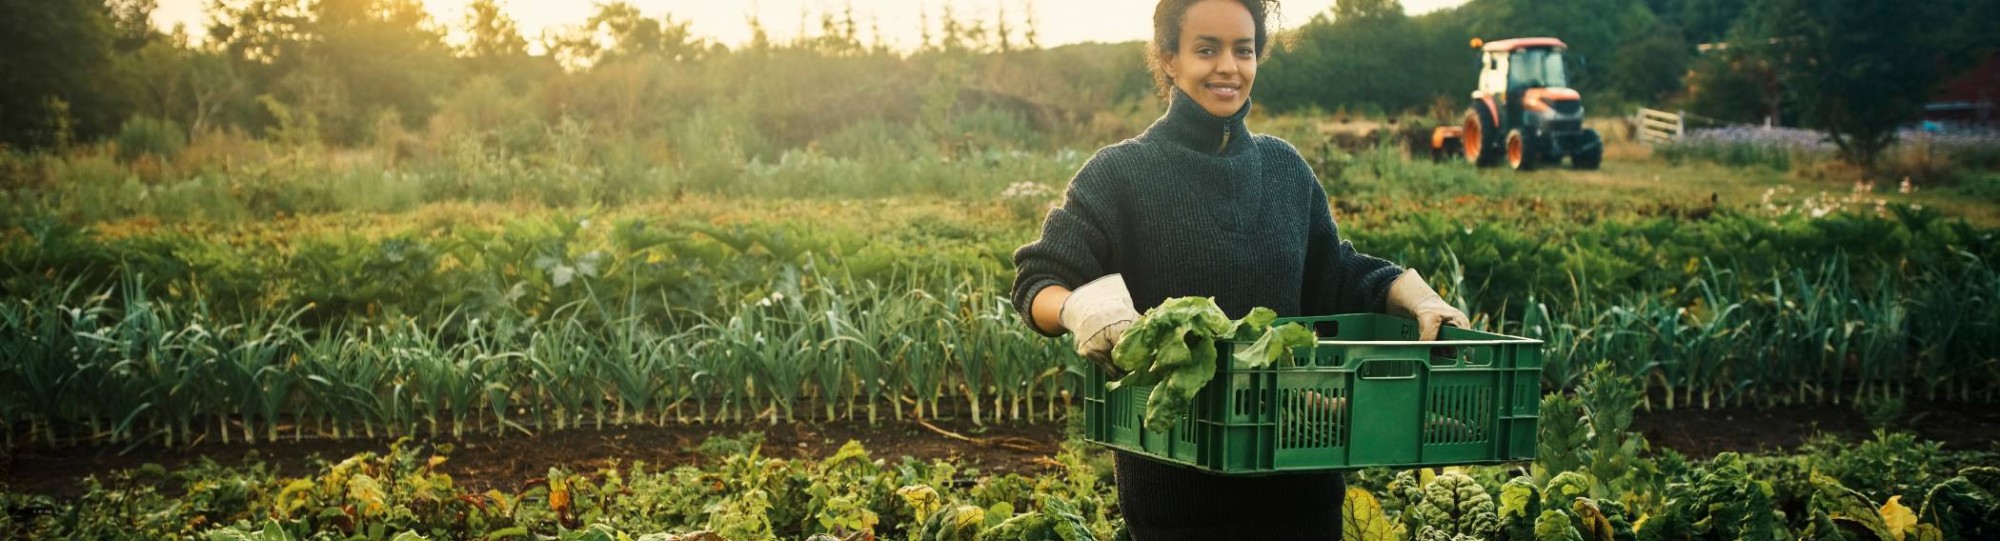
(517, 374)
(348, 269)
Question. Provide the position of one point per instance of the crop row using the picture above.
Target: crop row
(1591, 482)
(704, 256)
(119, 365)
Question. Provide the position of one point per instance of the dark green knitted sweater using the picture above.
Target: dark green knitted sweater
(1199, 206)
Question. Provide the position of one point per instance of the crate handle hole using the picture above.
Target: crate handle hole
(1327, 329)
(1390, 369)
(1445, 356)
(1477, 357)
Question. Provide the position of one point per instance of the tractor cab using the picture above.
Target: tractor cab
(1528, 86)
(1523, 111)
(1516, 65)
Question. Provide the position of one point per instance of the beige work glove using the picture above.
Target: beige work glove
(1411, 297)
(1098, 314)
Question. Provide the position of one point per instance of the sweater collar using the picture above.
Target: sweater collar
(1187, 124)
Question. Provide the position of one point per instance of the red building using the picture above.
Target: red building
(1968, 100)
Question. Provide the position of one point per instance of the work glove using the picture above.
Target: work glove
(1097, 314)
(1411, 297)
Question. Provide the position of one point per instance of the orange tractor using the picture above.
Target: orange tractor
(1523, 112)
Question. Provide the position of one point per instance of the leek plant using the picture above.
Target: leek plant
(928, 341)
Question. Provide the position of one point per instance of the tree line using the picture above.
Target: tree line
(356, 72)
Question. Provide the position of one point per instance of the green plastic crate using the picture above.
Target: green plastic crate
(1469, 398)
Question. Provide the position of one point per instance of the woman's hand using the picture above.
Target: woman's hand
(1098, 313)
(1411, 297)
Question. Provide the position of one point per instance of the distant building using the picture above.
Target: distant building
(1967, 100)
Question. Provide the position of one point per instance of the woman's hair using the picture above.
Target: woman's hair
(1171, 15)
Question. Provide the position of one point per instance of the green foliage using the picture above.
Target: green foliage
(1853, 509)
(1454, 506)
(1982, 185)
(1966, 506)
(743, 497)
(1413, 61)
(1650, 64)
(1725, 502)
(1891, 463)
(1058, 520)
(1609, 401)
(1173, 348)
(148, 136)
(1560, 437)
(1864, 49)
(1553, 525)
(1362, 518)
(1520, 506)
(54, 50)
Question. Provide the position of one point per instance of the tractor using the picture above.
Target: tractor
(1523, 112)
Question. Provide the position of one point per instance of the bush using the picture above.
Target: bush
(148, 136)
(1981, 185)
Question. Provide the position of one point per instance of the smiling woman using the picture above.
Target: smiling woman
(1198, 206)
(1209, 50)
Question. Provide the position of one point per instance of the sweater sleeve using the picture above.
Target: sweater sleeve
(1077, 239)
(1340, 279)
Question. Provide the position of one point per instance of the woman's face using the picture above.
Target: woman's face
(1217, 59)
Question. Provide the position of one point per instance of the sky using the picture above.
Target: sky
(1059, 22)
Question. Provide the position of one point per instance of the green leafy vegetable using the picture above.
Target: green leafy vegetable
(1520, 504)
(1362, 518)
(1172, 347)
(1057, 521)
(1966, 506)
(958, 523)
(1555, 525)
(1838, 501)
(1602, 520)
(1454, 505)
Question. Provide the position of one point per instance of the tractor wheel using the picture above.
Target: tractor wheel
(1481, 146)
(1592, 153)
(1521, 150)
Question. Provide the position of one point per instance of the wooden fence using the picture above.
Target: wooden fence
(1659, 126)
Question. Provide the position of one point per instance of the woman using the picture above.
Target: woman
(1199, 206)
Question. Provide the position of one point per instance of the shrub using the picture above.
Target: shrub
(148, 136)
(1981, 185)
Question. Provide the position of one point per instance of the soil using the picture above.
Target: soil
(1701, 433)
(485, 461)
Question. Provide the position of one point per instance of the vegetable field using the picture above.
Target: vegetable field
(516, 321)
(337, 269)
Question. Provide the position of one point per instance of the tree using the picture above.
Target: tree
(1366, 9)
(1736, 80)
(132, 23)
(1650, 65)
(1708, 21)
(52, 48)
(619, 32)
(1858, 69)
(494, 41)
(366, 58)
(269, 33)
(1368, 55)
